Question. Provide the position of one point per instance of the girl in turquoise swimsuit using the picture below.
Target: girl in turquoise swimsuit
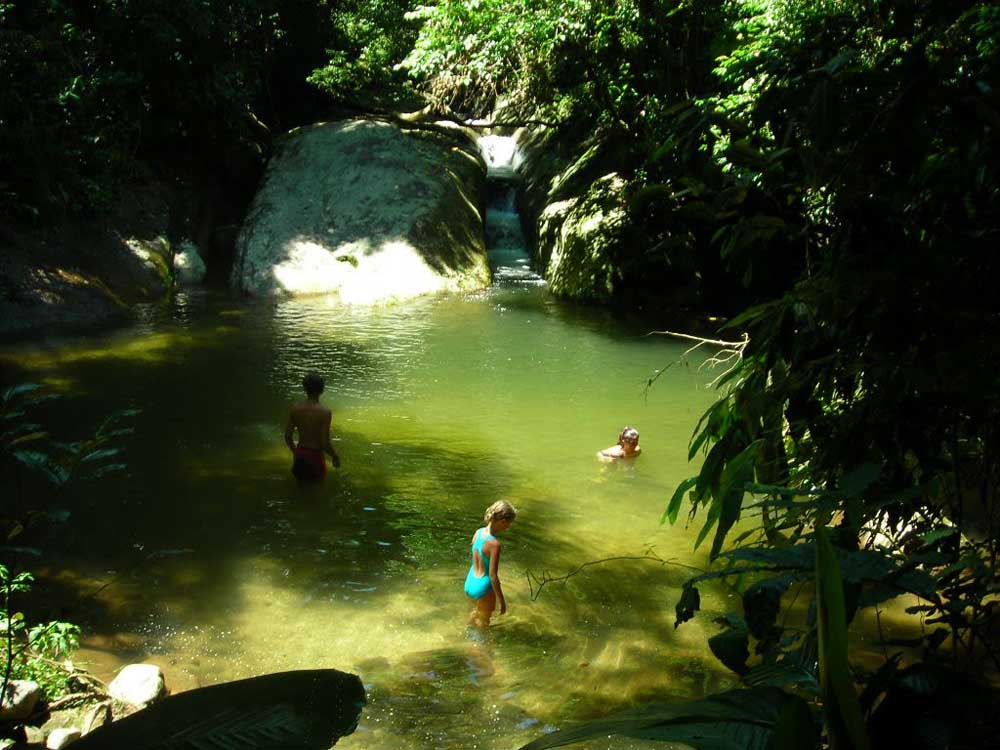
(482, 583)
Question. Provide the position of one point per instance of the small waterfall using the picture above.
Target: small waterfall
(508, 251)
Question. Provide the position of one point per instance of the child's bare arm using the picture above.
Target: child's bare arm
(290, 432)
(495, 577)
(334, 458)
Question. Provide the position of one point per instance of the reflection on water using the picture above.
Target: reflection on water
(208, 559)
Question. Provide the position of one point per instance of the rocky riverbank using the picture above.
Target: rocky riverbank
(365, 210)
(582, 222)
(32, 720)
(84, 274)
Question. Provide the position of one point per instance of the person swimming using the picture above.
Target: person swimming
(627, 447)
(482, 584)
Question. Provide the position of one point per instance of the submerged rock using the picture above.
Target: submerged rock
(138, 684)
(367, 211)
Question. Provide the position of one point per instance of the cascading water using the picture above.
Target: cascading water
(508, 251)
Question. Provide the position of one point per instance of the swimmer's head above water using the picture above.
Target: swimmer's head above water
(629, 436)
(627, 446)
(313, 384)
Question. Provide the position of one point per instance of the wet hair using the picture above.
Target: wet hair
(313, 384)
(629, 433)
(501, 510)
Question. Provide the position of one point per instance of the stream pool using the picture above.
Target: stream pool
(208, 559)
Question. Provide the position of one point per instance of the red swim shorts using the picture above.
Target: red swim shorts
(309, 464)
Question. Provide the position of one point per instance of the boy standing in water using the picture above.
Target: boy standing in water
(312, 420)
(482, 584)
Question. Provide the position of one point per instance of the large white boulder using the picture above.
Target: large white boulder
(367, 211)
(138, 684)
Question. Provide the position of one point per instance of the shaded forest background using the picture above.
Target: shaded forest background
(825, 174)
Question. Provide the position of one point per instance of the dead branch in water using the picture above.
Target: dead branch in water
(537, 583)
(730, 353)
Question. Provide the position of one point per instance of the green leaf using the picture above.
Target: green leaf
(762, 603)
(711, 471)
(737, 473)
(732, 645)
(774, 489)
(100, 454)
(839, 60)
(845, 725)
(710, 520)
(859, 479)
(795, 728)
(742, 154)
(730, 198)
(302, 710)
(754, 314)
(108, 469)
(43, 463)
(59, 515)
(880, 681)
(799, 557)
(697, 211)
(19, 390)
(731, 720)
(729, 513)
(938, 534)
(674, 506)
(32, 551)
(31, 437)
(783, 674)
(689, 603)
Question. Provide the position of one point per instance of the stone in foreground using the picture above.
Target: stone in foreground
(137, 684)
(61, 738)
(20, 700)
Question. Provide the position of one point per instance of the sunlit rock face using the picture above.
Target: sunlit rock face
(575, 214)
(367, 212)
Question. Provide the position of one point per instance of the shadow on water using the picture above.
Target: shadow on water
(612, 321)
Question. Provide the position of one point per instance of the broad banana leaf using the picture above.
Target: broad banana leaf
(845, 724)
(733, 720)
(302, 710)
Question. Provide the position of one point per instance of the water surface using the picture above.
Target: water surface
(208, 559)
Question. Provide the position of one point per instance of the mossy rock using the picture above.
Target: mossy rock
(587, 248)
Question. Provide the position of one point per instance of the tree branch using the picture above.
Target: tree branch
(545, 578)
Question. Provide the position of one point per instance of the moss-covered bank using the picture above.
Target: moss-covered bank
(579, 209)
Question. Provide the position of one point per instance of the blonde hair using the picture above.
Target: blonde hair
(501, 510)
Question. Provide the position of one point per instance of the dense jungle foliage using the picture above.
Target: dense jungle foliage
(825, 172)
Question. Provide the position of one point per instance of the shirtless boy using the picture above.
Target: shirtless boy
(312, 420)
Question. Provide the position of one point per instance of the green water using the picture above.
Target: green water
(210, 561)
